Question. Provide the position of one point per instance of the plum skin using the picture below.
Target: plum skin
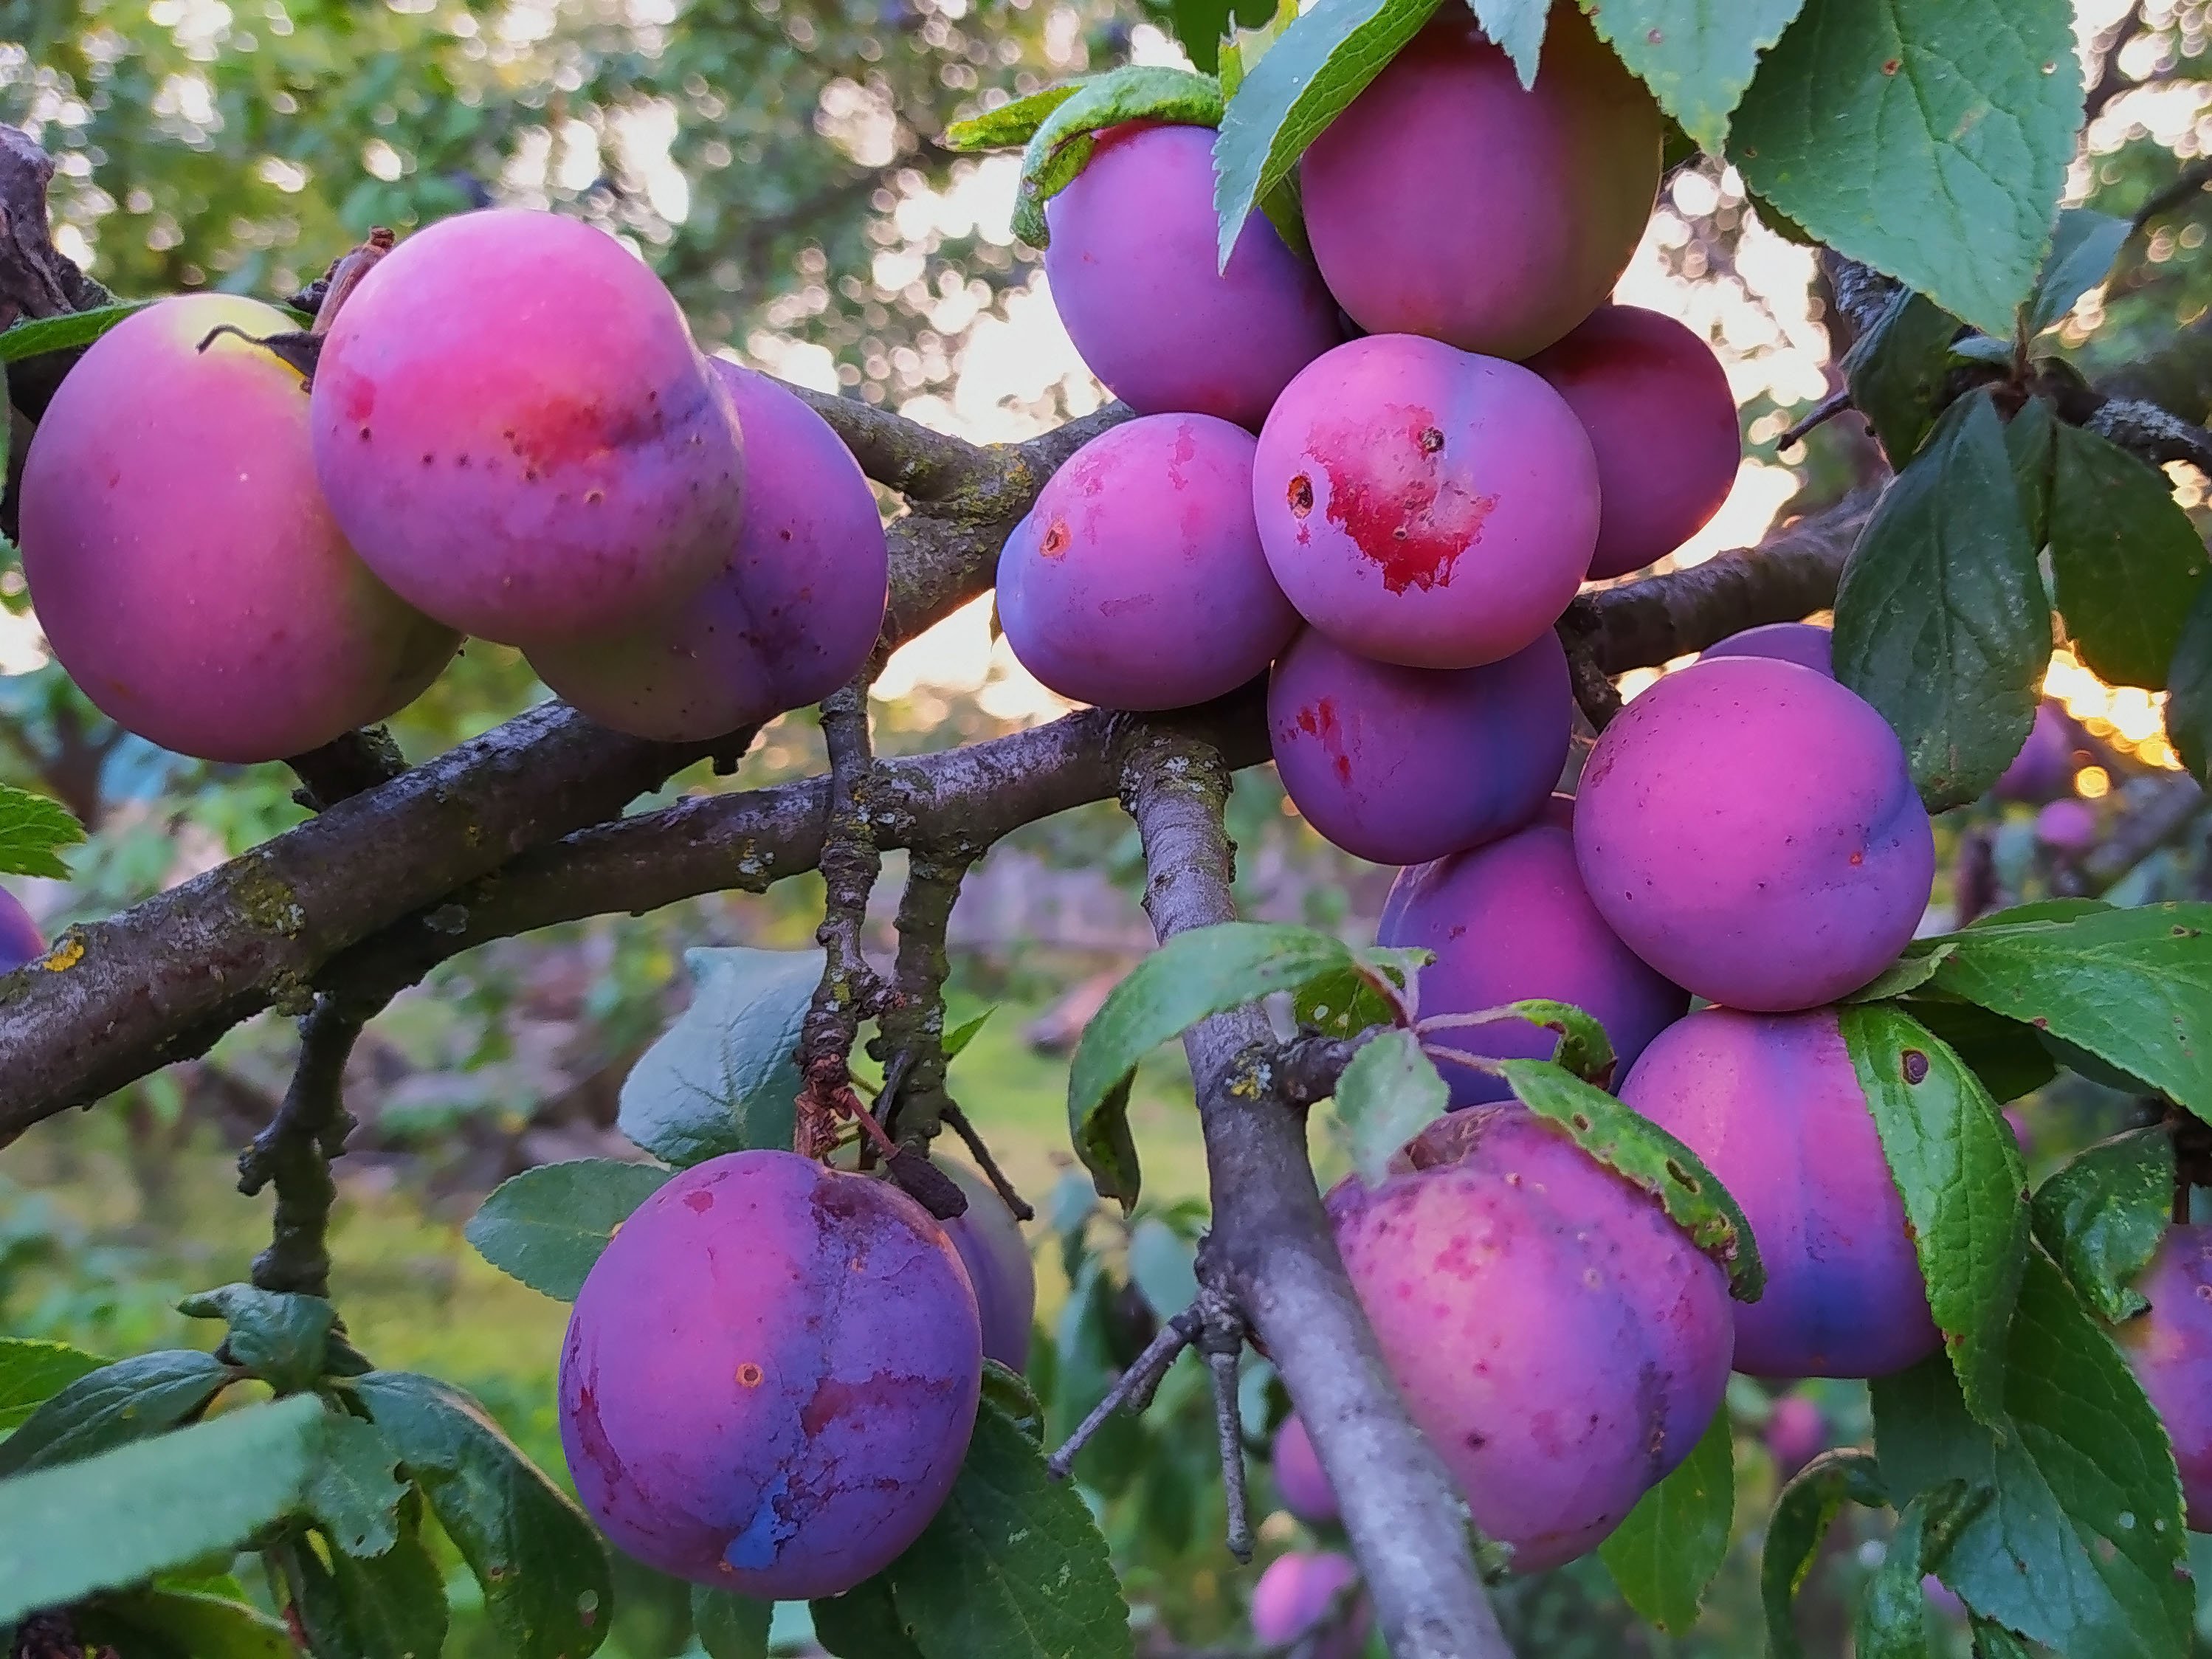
(1297, 1592)
(1512, 920)
(1749, 828)
(1401, 765)
(1796, 1434)
(1133, 275)
(997, 1258)
(534, 460)
(1423, 506)
(2169, 1346)
(1661, 420)
(1773, 1105)
(1299, 1478)
(1559, 1339)
(1807, 644)
(770, 1377)
(1137, 580)
(181, 556)
(1435, 202)
(20, 939)
(2043, 771)
(791, 616)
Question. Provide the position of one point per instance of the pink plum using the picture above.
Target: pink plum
(2043, 771)
(1299, 1476)
(1298, 1591)
(1797, 1432)
(2068, 825)
(2170, 1345)
(997, 1258)
(20, 940)
(1807, 644)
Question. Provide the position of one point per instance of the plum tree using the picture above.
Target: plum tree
(2043, 771)
(1559, 1339)
(1137, 580)
(1424, 505)
(1133, 275)
(770, 1377)
(20, 938)
(1297, 1592)
(1661, 421)
(1807, 644)
(514, 428)
(1299, 1478)
(1434, 202)
(1511, 921)
(997, 1257)
(2170, 1346)
(1796, 1434)
(182, 560)
(1773, 1105)
(1401, 765)
(1749, 827)
(793, 614)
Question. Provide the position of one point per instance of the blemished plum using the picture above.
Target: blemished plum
(1399, 765)
(1796, 1434)
(1299, 1478)
(1559, 1339)
(1137, 580)
(1298, 1591)
(1807, 644)
(997, 1258)
(2043, 771)
(793, 614)
(20, 939)
(1510, 921)
(2170, 1345)
(1656, 404)
(182, 560)
(514, 428)
(1750, 828)
(1772, 1104)
(1448, 201)
(770, 1377)
(1134, 274)
(1423, 506)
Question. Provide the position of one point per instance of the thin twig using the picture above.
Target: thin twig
(2159, 821)
(1822, 412)
(958, 1120)
(1133, 1389)
(911, 1026)
(1222, 1342)
(295, 1151)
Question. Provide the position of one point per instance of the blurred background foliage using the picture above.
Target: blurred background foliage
(775, 161)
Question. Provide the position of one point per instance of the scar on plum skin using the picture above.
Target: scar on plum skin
(749, 1375)
(1300, 495)
(1056, 539)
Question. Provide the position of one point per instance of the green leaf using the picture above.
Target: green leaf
(542, 1570)
(2082, 250)
(2011, 1059)
(2082, 1546)
(1517, 27)
(1010, 124)
(33, 830)
(1800, 1520)
(76, 328)
(1959, 1171)
(1009, 1392)
(1674, 1541)
(1929, 138)
(1642, 1154)
(1062, 146)
(2101, 1216)
(355, 1495)
(1696, 56)
(1896, 372)
(281, 1338)
(32, 1372)
(722, 1077)
(1163, 1266)
(191, 1626)
(389, 1607)
(1345, 1001)
(1892, 1615)
(1941, 621)
(2189, 689)
(1993, 1641)
(133, 1511)
(1205, 971)
(1388, 1094)
(864, 1624)
(547, 1226)
(125, 1401)
(2127, 561)
(2031, 444)
(961, 1034)
(730, 1626)
(1322, 63)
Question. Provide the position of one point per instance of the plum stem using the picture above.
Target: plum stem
(1134, 1388)
(1022, 1211)
(295, 1151)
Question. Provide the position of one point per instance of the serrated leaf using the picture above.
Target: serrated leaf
(548, 1225)
(77, 328)
(1388, 1094)
(1062, 146)
(1892, 1613)
(281, 1337)
(722, 1078)
(730, 1626)
(544, 1573)
(125, 1401)
(1642, 1152)
(2083, 249)
(1322, 63)
(131, 1511)
(356, 1492)
(1205, 971)
(964, 1033)
(1896, 371)
(1964, 109)
(2011, 1059)
(1808, 1505)
(2031, 444)
(1675, 1539)
(2189, 689)
(1941, 622)
(1517, 27)
(1696, 56)
(2126, 560)
(2102, 1213)
(1009, 1392)
(2081, 1545)
(34, 1371)
(1959, 1171)
(1012, 124)
(190, 1625)
(1348, 1001)
(389, 1607)
(863, 1623)
(33, 830)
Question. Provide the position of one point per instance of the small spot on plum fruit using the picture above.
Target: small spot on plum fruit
(1432, 440)
(749, 1375)
(1056, 538)
(1300, 495)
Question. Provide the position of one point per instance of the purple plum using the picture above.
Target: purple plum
(1298, 1477)
(1750, 828)
(2043, 771)
(181, 560)
(1807, 644)
(792, 617)
(997, 1258)
(20, 940)
(1132, 270)
(2068, 826)
(1797, 1432)
(770, 1377)
(1656, 404)
(514, 427)
(2170, 1345)
(1423, 506)
(1137, 580)
(1771, 1102)
(1450, 202)
(1510, 921)
(1298, 1591)
(1402, 765)
(1559, 1339)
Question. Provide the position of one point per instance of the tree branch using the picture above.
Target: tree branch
(295, 1151)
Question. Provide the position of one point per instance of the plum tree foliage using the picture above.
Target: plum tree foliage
(1380, 431)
